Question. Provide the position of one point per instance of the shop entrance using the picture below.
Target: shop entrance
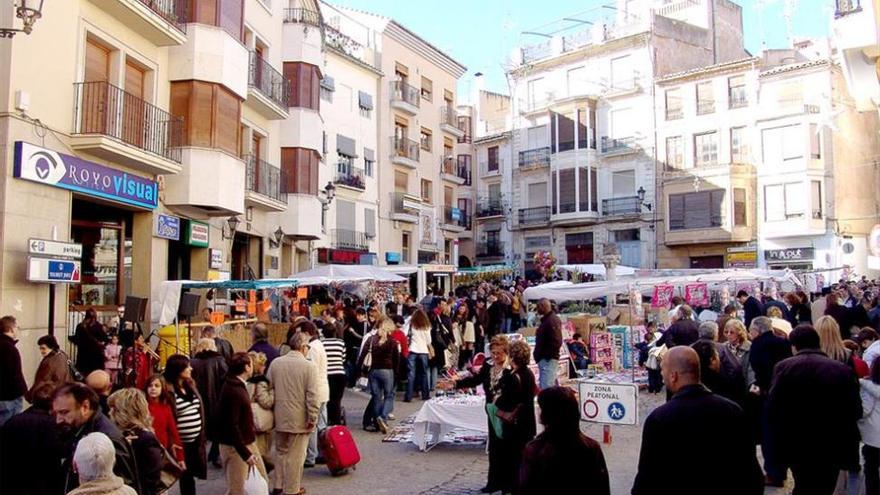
(247, 257)
(105, 234)
(707, 262)
(179, 260)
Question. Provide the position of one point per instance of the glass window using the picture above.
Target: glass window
(675, 152)
(305, 84)
(815, 138)
(738, 147)
(425, 139)
(622, 75)
(706, 149)
(739, 207)
(401, 181)
(674, 109)
(565, 127)
(784, 201)
(623, 183)
(780, 144)
(537, 92)
(583, 131)
(492, 152)
(816, 199)
(567, 203)
(736, 92)
(368, 167)
(577, 81)
(404, 246)
(427, 89)
(699, 210)
(427, 191)
(705, 98)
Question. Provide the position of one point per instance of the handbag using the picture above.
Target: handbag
(74, 373)
(494, 420)
(431, 352)
(170, 472)
(368, 358)
(264, 419)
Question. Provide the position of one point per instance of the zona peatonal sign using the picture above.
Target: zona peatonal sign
(48, 167)
(611, 403)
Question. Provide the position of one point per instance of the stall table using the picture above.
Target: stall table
(441, 415)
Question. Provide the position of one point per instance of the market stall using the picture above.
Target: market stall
(442, 414)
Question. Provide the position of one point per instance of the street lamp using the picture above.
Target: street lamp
(232, 224)
(28, 11)
(326, 196)
(641, 193)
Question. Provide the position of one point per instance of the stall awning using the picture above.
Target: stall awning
(328, 274)
(167, 301)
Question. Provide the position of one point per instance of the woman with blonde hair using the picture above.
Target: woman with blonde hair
(384, 356)
(734, 352)
(263, 403)
(830, 341)
(130, 412)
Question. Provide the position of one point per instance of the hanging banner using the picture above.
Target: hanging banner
(662, 296)
(697, 294)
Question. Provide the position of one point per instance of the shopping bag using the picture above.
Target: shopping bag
(255, 484)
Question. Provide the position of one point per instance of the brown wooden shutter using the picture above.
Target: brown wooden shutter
(97, 66)
(696, 210)
(676, 212)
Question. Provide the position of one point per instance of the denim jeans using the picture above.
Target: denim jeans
(312, 452)
(9, 408)
(415, 375)
(382, 391)
(547, 373)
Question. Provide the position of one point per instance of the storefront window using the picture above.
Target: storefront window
(105, 234)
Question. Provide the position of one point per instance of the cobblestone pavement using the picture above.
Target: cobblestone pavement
(396, 468)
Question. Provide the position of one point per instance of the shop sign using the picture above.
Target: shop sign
(54, 270)
(742, 257)
(48, 167)
(392, 257)
(696, 294)
(610, 403)
(662, 297)
(167, 227)
(339, 256)
(216, 259)
(197, 234)
(410, 204)
(794, 254)
(456, 214)
(43, 247)
(439, 268)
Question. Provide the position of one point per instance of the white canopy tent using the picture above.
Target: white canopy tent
(597, 269)
(329, 274)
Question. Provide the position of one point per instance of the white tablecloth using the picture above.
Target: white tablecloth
(444, 414)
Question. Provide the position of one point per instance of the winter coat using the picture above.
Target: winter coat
(295, 380)
(31, 449)
(869, 425)
(148, 456)
(261, 392)
(209, 372)
(550, 460)
(682, 332)
(125, 466)
(318, 355)
(267, 349)
(679, 430)
(548, 337)
(236, 420)
(12, 384)
(808, 391)
(89, 340)
(53, 370)
(165, 428)
(385, 356)
(752, 309)
(767, 350)
(107, 486)
(518, 394)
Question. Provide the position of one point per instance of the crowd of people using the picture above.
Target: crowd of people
(771, 371)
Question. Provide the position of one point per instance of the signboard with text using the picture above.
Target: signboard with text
(197, 234)
(609, 403)
(167, 227)
(793, 254)
(54, 270)
(42, 247)
(216, 259)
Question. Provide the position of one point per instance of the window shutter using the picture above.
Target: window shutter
(328, 83)
(676, 211)
(696, 209)
(370, 222)
(365, 100)
(346, 146)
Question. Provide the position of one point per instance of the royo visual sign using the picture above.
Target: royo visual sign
(45, 166)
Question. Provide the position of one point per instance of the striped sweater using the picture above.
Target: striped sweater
(335, 350)
(189, 417)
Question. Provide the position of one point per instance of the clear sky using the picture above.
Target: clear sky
(481, 33)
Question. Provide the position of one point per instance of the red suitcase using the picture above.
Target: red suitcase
(339, 450)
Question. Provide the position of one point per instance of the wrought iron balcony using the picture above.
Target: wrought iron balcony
(674, 113)
(538, 157)
(457, 168)
(491, 207)
(265, 179)
(349, 239)
(455, 216)
(704, 107)
(401, 91)
(738, 99)
(845, 7)
(491, 249)
(629, 205)
(405, 148)
(102, 108)
(618, 145)
(534, 216)
(349, 176)
(173, 11)
(268, 81)
(302, 16)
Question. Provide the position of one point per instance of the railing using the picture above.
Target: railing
(535, 215)
(538, 157)
(302, 16)
(492, 249)
(629, 205)
(401, 91)
(449, 117)
(567, 207)
(457, 168)
(349, 176)
(845, 7)
(349, 239)
(738, 99)
(704, 107)
(263, 178)
(536, 52)
(102, 108)
(674, 113)
(268, 81)
(404, 203)
(173, 11)
(405, 148)
(454, 216)
(577, 40)
(618, 145)
(490, 208)
(464, 169)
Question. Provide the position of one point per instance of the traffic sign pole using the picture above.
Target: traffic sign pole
(52, 309)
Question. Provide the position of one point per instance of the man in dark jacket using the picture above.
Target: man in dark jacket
(767, 350)
(770, 301)
(209, 371)
(237, 434)
(548, 341)
(751, 306)
(76, 409)
(684, 428)
(12, 384)
(684, 331)
(808, 391)
(260, 334)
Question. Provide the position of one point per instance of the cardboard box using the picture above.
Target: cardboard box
(527, 331)
(587, 324)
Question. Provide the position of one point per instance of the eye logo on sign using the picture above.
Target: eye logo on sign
(44, 166)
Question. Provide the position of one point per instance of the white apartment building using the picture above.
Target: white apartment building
(583, 128)
(856, 33)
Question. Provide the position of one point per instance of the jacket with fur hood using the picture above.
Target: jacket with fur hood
(869, 425)
(106, 486)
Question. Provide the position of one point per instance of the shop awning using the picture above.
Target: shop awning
(166, 303)
(597, 269)
(328, 274)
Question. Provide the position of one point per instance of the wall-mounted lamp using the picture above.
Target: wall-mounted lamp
(641, 193)
(231, 227)
(28, 11)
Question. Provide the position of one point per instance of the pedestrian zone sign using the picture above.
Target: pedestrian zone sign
(609, 403)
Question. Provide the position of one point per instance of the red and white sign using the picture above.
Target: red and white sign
(696, 294)
(662, 296)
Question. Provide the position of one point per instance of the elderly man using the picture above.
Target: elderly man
(76, 410)
(93, 460)
(295, 380)
(260, 334)
(317, 355)
(708, 330)
(548, 341)
(767, 350)
(99, 382)
(12, 384)
(683, 331)
(683, 428)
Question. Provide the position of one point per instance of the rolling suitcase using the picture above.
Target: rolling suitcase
(339, 450)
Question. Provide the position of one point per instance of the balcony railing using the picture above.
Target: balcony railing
(629, 205)
(704, 107)
(349, 176)
(465, 169)
(458, 168)
(738, 99)
(538, 157)
(674, 113)
(349, 239)
(491, 207)
(455, 216)
(405, 148)
(449, 117)
(618, 145)
(173, 11)
(102, 108)
(263, 178)
(404, 203)
(401, 91)
(268, 81)
(491, 249)
(302, 16)
(535, 215)
(845, 7)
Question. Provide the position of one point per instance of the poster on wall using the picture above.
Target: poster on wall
(696, 294)
(662, 296)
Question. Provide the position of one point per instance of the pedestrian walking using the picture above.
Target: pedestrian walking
(869, 427)
(548, 340)
(383, 354)
(89, 337)
(209, 371)
(318, 356)
(516, 408)
(95, 465)
(12, 384)
(420, 350)
(54, 368)
(131, 414)
(191, 419)
(334, 347)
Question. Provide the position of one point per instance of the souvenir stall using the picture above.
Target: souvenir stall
(368, 282)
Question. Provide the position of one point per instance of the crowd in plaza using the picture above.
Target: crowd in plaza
(799, 377)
